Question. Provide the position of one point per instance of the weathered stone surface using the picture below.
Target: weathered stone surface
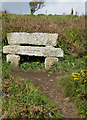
(33, 51)
(32, 38)
(49, 62)
(13, 59)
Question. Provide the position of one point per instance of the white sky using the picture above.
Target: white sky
(45, 0)
(52, 6)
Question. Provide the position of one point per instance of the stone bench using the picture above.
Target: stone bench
(21, 43)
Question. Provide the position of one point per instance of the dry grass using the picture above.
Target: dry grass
(66, 27)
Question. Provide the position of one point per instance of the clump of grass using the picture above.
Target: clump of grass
(75, 87)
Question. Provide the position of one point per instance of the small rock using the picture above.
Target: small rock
(48, 75)
(67, 98)
(51, 80)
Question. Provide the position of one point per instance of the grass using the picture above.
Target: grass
(75, 84)
(22, 100)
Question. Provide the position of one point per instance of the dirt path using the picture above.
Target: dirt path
(47, 82)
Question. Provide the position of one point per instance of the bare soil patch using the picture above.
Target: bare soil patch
(48, 83)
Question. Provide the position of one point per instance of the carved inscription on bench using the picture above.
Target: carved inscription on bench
(33, 51)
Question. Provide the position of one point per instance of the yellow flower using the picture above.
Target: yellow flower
(82, 71)
(82, 62)
(72, 73)
(85, 56)
(75, 78)
(83, 74)
(77, 90)
(76, 74)
(85, 81)
(85, 70)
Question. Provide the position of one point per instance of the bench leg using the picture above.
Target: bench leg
(49, 62)
(13, 59)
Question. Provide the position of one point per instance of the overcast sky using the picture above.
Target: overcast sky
(51, 6)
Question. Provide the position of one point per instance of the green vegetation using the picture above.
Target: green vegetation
(75, 87)
(22, 100)
(26, 66)
(50, 16)
(32, 63)
(68, 64)
(65, 64)
(72, 39)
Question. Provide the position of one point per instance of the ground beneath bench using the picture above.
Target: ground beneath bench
(48, 83)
